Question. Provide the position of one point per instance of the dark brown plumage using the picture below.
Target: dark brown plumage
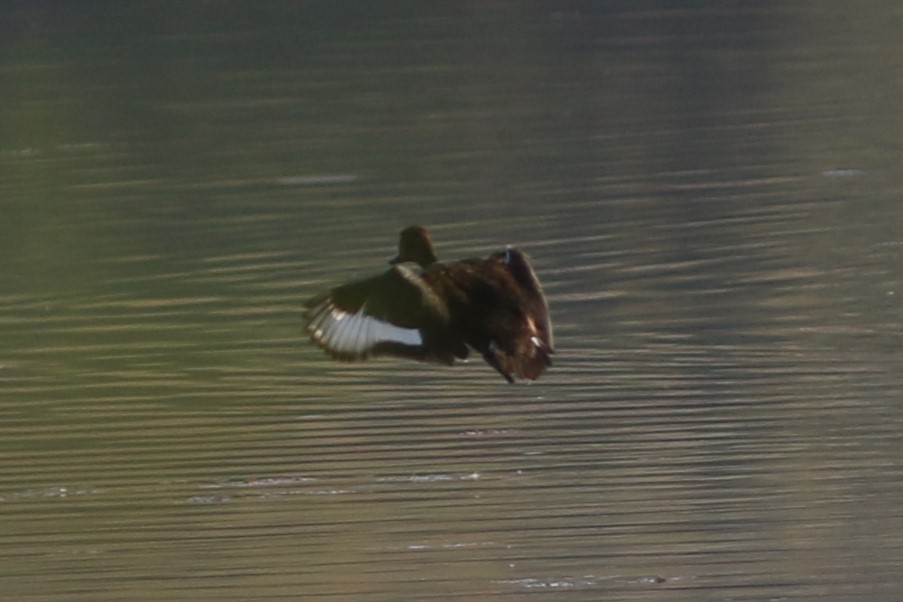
(437, 312)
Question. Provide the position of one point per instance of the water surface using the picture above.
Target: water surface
(709, 196)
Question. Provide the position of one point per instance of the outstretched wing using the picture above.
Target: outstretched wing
(519, 327)
(383, 315)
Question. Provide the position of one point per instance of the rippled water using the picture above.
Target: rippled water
(709, 197)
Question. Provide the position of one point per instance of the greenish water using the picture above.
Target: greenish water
(710, 197)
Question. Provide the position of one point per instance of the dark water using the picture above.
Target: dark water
(710, 193)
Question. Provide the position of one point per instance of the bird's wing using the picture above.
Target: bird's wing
(385, 314)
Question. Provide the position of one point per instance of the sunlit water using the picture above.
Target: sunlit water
(706, 198)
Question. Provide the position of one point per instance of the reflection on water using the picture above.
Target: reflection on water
(721, 423)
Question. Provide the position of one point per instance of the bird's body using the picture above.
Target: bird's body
(437, 312)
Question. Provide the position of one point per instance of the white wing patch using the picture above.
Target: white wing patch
(355, 334)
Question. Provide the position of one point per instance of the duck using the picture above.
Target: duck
(430, 311)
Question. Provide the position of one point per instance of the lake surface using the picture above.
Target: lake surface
(711, 197)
